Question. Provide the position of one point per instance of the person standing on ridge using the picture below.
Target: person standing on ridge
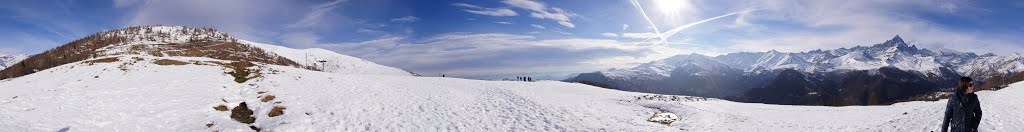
(963, 109)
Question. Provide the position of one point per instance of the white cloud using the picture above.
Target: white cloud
(478, 54)
(370, 31)
(300, 39)
(503, 22)
(541, 11)
(610, 35)
(567, 24)
(316, 16)
(526, 4)
(537, 26)
(405, 19)
(486, 11)
(625, 26)
(643, 35)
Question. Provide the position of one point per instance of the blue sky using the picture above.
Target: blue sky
(501, 38)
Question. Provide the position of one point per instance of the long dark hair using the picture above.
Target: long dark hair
(965, 82)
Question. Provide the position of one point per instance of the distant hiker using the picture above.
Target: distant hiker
(530, 79)
(963, 110)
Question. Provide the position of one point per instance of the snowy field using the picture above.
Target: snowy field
(137, 95)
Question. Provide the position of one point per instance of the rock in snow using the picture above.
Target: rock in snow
(664, 118)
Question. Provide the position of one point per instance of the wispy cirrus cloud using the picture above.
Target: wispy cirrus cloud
(405, 19)
(316, 15)
(541, 10)
(642, 35)
(486, 11)
(464, 54)
(538, 26)
(610, 35)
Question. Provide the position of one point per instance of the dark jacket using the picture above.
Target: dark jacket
(963, 113)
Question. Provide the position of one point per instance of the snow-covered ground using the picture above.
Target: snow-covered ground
(137, 95)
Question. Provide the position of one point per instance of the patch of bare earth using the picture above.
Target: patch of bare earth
(221, 108)
(276, 111)
(241, 71)
(104, 60)
(268, 98)
(165, 62)
(243, 114)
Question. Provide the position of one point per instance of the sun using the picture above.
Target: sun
(671, 6)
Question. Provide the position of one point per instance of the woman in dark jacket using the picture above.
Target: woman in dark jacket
(963, 110)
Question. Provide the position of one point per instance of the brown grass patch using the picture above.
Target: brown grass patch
(221, 108)
(276, 111)
(104, 60)
(268, 98)
(165, 62)
(241, 71)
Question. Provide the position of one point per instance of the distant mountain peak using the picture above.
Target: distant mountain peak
(896, 42)
(896, 39)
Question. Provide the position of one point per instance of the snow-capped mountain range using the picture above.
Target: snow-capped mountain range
(715, 76)
(7, 60)
(892, 53)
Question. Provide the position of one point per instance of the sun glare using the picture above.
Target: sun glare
(670, 6)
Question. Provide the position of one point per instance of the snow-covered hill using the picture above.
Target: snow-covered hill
(8, 60)
(139, 93)
(329, 61)
(178, 41)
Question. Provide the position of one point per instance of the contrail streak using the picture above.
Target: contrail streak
(644, 13)
(670, 33)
